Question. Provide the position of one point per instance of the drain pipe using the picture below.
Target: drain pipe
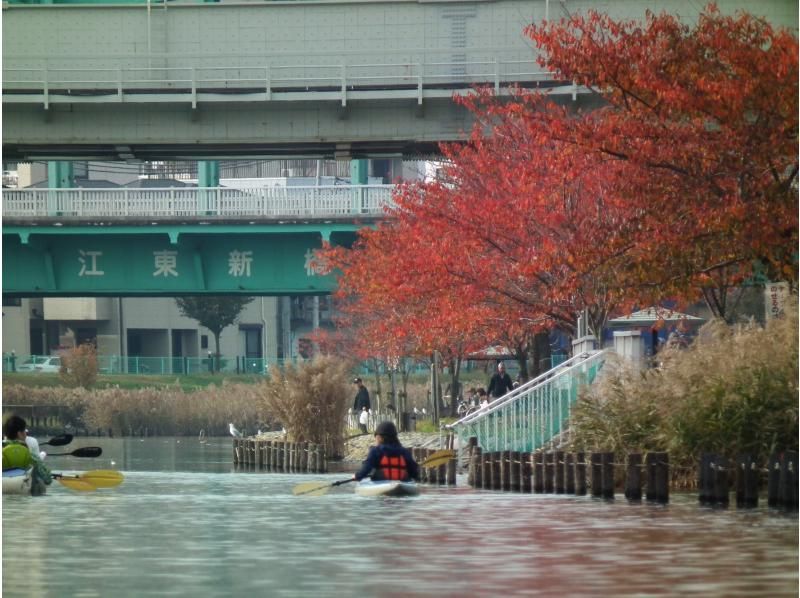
(263, 336)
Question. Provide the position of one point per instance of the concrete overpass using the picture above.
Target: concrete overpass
(315, 78)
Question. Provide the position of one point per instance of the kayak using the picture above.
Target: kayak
(387, 488)
(17, 481)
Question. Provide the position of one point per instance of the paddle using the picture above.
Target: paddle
(319, 488)
(87, 451)
(89, 481)
(59, 440)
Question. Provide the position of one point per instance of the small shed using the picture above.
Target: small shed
(657, 323)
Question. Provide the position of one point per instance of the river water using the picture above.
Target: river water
(183, 523)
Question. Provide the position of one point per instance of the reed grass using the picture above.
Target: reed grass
(733, 391)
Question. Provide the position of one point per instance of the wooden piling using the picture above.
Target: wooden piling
(486, 471)
(597, 474)
(705, 480)
(496, 473)
(569, 473)
(719, 468)
(787, 486)
(526, 472)
(549, 472)
(505, 470)
(476, 467)
(746, 482)
(773, 479)
(580, 474)
(514, 467)
(538, 472)
(633, 477)
(472, 445)
(607, 475)
(558, 467)
(450, 474)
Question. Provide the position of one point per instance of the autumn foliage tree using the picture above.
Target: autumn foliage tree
(681, 180)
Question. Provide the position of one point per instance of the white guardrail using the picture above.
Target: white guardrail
(181, 202)
(129, 79)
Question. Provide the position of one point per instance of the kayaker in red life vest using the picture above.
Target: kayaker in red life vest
(388, 459)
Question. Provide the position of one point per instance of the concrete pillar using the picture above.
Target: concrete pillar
(208, 177)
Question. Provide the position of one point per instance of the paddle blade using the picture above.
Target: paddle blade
(59, 440)
(87, 451)
(76, 484)
(312, 488)
(102, 478)
(438, 458)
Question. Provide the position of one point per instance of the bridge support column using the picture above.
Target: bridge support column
(208, 177)
(60, 175)
(359, 170)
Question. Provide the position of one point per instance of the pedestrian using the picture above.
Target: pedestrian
(483, 398)
(388, 459)
(363, 420)
(362, 397)
(500, 382)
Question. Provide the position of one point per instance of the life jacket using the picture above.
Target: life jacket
(393, 468)
(16, 454)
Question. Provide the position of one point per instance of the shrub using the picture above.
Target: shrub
(734, 391)
(79, 366)
(311, 401)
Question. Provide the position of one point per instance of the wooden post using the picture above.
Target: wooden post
(580, 474)
(496, 474)
(633, 477)
(720, 470)
(486, 471)
(476, 467)
(549, 472)
(538, 472)
(746, 482)
(787, 487)
(450, 474)
(472, 445)
(597, 474)
(505, 470)
(569, 473)
(525, 472)
(704, 486)
(662, 477)
(607, 476)
(773, 479)
(558, 466)
(514, 465)
(235, 451)
(442, 474)
(323, 459)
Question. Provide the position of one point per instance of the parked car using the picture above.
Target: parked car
(41, 364)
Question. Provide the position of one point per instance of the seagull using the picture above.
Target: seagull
(234, 432)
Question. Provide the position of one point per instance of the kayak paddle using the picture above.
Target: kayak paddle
(91, 480)
(319, 488)
(87, 451)
(59, 440)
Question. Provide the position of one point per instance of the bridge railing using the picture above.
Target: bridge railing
(535, 413)
(131, 78)
(182, 202)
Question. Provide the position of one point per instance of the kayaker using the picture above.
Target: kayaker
(388, 459)
(17, 455)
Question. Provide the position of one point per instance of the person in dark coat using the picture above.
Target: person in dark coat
(500, 383)
(388, 459)
(362, 397)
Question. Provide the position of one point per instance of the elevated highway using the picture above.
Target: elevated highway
(313, 78)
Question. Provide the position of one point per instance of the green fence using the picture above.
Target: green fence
(533, 414)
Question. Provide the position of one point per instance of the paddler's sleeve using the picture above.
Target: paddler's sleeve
(370, 463)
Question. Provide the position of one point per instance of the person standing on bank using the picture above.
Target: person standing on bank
(362, 397)
(388, 459)
(500, 383)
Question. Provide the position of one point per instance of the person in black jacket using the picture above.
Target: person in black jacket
(362, 397)
(500, 383)
(388, 459)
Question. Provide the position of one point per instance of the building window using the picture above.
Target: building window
(11, 301)
(204, 341)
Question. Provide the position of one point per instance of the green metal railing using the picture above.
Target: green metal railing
(118, 364)
(532, 415)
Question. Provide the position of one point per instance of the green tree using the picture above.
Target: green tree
(215, 313)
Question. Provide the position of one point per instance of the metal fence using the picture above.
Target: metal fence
(536, 412)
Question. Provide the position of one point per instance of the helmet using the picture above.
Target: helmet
(386, 429)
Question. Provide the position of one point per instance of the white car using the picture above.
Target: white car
(41, 364)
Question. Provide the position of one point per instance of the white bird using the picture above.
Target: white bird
(234, 432)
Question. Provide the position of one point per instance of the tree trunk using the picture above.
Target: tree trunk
(215, 361)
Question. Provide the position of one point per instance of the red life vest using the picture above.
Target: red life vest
(393, 468)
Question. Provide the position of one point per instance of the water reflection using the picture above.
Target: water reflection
(183, 525)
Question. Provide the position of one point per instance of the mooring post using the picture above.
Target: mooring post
(633, 477)
(773, 479)
(497, 479)
(486, 471)
(476, 467)
(549, 472)
(721, 489)
(569, 473)
(538, 472)
(607, 476)
(558, 466)
(662, 477)
(514, 466)
(505, 470)
(580, 474)
(746, 482)
(596, 461)
(787, 489)
(450, 474)
(526, 472)
(472, 445)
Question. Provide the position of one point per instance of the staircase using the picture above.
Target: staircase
(530, 416)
